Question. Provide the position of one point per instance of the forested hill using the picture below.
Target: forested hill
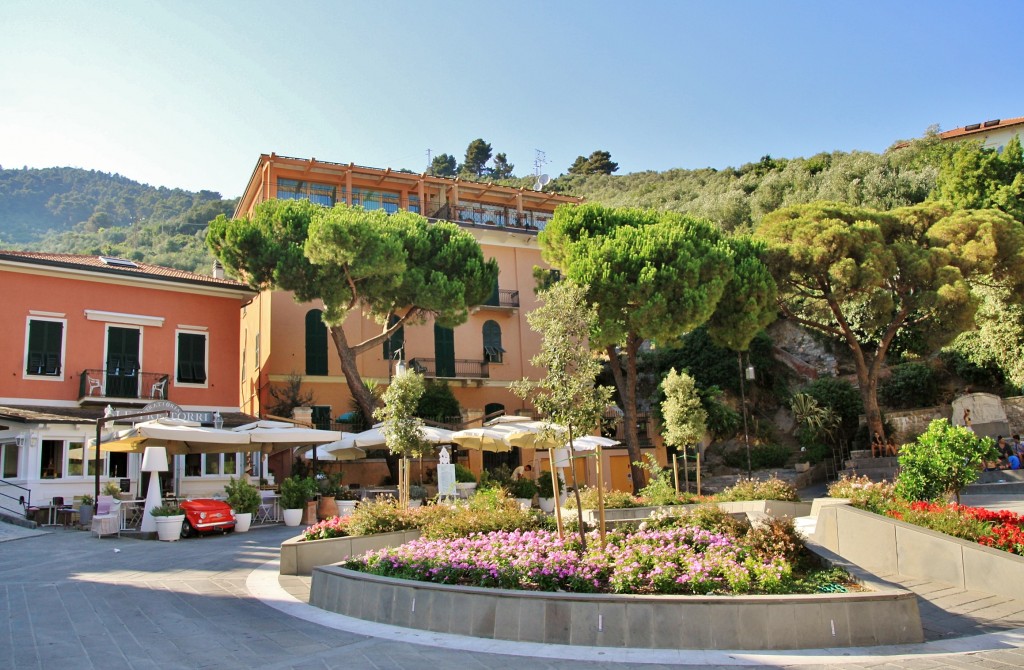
(85, 211)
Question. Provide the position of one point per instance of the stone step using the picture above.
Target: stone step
(995, 488)
(1000, 476)
(880, 462)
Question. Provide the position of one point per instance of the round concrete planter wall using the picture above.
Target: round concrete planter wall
(659, 622)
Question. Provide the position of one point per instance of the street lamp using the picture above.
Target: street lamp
(749, 375)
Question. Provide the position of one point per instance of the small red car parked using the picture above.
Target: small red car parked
(206, 515)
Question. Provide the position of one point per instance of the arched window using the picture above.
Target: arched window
(493, 350)
(316, 343)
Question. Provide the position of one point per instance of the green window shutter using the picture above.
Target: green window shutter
(316, 343)
(44, 345)
(444, 351)
(395, 343)
(493, 351)
(493, 300)
(191, 358)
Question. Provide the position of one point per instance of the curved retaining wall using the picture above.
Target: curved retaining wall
(887, 616)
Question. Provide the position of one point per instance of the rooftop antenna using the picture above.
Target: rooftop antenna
(430, 161)
(542, 180)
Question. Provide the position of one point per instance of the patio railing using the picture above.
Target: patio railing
(451, 369)
(123, 384)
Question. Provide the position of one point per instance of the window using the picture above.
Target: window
(51, 459)
(44, 353)
(316, 343)
(493, 351)
(9, 460)
(76, 459)
(214, 465)
(292, 189)
(191, 358)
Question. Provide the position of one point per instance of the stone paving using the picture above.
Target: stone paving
(71, 600)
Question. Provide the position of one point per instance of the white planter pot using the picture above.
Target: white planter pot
(168, 528)
(465, 489)
(546, 504)
(415, 502)
(242, 522)
(345, 507)
(525, 503)
(292, 517)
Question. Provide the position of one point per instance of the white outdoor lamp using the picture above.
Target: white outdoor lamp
(154, 461)
(400, 366)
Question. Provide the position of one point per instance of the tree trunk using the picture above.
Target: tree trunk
(625, 384)
(349, 368)
(867, 379)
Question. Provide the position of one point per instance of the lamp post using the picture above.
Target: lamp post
(154, 461)
(749, 374)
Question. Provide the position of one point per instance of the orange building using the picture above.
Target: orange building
(478, 359)
(82, 333)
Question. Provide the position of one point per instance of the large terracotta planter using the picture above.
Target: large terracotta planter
(326, 508)
(309, 515)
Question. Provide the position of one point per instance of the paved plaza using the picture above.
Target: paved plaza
(70, 600)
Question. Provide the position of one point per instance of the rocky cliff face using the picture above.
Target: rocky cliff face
(801, 352)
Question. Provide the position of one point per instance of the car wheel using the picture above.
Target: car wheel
(187, 529)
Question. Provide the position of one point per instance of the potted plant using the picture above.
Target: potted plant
(465, 480)
(523, 490)
(546, 492)
(86, 509)
(295, 493)
(327, 486)
(245, 499)
(416, 495)
(346, 499)
(169, 519)
(111, 489)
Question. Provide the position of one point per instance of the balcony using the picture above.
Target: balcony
(122, 385)
(457, 369)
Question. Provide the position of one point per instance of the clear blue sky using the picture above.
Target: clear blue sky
(188, 94)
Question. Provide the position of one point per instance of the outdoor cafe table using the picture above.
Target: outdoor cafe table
(131, 514)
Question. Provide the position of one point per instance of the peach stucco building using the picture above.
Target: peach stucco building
(84, 333)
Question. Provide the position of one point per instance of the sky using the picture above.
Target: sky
(189, 94)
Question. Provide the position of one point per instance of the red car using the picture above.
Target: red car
(207, 515)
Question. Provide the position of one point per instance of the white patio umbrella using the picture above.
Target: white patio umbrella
(180, 437)
(282, 434)
(324, 452)
(374, 437)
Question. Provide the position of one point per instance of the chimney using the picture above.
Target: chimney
(218, 270)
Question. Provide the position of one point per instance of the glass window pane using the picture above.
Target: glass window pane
(230, 464)
(212, 464)
(76, 457)
(193, 465)
(51, 462)
(10, 462)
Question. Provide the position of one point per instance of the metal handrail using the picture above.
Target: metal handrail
(463, 369)
(123, 383)
(24, 500)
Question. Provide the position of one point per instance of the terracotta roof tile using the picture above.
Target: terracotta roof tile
(981, 128)
(137, 268)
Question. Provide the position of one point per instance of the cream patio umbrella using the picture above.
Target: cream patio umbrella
(325, 452)
(374, 437)
(491, 438)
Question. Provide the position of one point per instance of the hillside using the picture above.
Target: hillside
(85, 211)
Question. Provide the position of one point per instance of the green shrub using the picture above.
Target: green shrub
(660, 488)
(380, 516)
(762, 456)
(545, 488)
(910, 385)
(296, 491)
(942, 461)
(485, 512)
(816, 453)
(774, 536)
(612, 499)
(243, 497)
(862, 492)
(842, 398)
(524, 487)
(464, 475)
(753, 489)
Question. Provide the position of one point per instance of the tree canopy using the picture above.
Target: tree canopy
(654, 276)
(444, 165)
(351, 259)
(864, 276)
(477, 154)
(599, 162)
(502, 168)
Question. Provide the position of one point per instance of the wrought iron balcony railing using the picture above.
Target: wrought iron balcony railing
(450, 369)
(123, 384)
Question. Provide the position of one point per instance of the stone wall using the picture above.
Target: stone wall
(910, 423)
(1015, 413)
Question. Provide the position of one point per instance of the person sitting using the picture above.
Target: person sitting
(522, 471)
(891, 448)
(1014, 462)
(877, 446)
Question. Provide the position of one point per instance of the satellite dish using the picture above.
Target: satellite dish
(537, 185)
(544, 180)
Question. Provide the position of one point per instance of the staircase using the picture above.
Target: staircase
(862, 464)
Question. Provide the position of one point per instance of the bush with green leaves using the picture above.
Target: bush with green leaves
(754, 489)
(941, 462)
(660, 488)
(524, 487)
(862, 492)
(545, 488)
(464, 475)
(909, 385)
(762, 456)
(243, 497)
(842, 398)
(612, 499)
(485, 512)
(297, 491)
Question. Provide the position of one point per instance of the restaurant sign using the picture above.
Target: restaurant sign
(161, 408)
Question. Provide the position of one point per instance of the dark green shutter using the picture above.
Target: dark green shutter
(44, 344)
(444, 351)
(316, 343)
(191, 358)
